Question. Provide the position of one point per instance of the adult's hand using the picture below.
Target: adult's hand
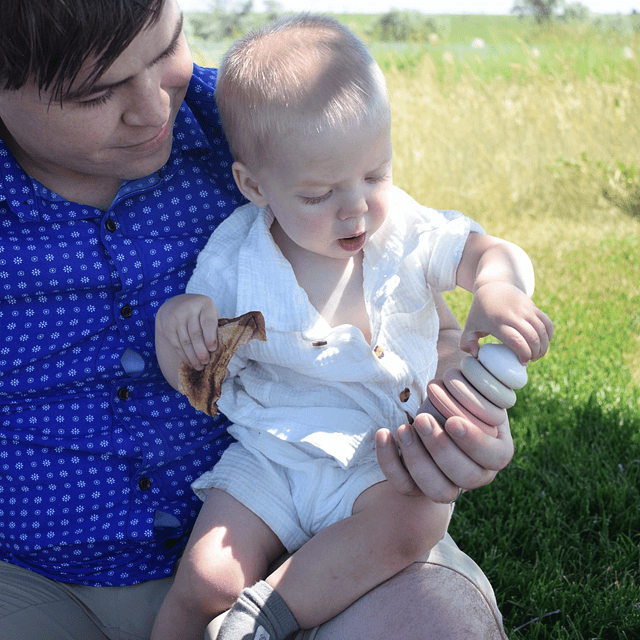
(437, 461)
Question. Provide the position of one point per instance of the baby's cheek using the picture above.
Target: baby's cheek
(378, 212)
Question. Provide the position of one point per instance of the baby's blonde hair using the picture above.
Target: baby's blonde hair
(305, 75)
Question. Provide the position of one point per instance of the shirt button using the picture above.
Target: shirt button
(144, 484)
(123, 393)
(405, 394)
(111, 225)
(126, 311)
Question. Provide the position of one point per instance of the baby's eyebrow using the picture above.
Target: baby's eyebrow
(312, 183)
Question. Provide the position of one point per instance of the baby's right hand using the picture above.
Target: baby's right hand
(504, 311)
(189, 322)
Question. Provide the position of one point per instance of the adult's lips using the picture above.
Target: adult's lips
(153, 143)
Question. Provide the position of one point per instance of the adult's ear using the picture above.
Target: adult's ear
(248, 184)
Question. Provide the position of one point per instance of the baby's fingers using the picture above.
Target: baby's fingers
(470, 341)
(528, 337)
(545, 331)
(536, 333)
(193, 339)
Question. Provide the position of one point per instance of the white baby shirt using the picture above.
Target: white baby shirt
(311, 388)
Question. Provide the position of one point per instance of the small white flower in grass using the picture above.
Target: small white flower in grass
(628, 53)
(447, 57)
(478, 43)
(433, 39)
(535, 52)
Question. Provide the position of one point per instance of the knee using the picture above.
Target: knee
(456, 608)
(208, 589)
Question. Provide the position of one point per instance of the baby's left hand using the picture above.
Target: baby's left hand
(507, 313)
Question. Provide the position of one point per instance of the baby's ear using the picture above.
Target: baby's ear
(248, 185)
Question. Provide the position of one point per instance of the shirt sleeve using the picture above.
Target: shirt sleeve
(445, 246)
(438, 238)
(215, 274)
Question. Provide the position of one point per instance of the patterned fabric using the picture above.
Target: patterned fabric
(316, 389)
(96, 450)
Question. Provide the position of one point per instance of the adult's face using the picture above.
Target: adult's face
(121, 128)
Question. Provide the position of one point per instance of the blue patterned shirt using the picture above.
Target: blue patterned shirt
(96, 450)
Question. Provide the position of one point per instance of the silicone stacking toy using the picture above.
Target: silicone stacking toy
(482, 389)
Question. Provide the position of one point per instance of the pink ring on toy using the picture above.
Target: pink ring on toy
(471, 399)
(446, 404)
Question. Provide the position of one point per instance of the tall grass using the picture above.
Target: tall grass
(537, 136)
(536, 158)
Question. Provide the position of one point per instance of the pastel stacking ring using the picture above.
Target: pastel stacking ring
(448, 406)
(428, 407)
(503, 363)
(471, 399)
(487, 384)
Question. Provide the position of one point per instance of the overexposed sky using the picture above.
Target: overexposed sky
(490, 7)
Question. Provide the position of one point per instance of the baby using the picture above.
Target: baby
(344, 267)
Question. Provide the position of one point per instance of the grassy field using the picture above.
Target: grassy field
(536, 135)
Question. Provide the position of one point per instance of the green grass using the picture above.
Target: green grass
(558, 532)
(513, 47)
(537, 136)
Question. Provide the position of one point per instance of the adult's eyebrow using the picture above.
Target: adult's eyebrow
(99, 87)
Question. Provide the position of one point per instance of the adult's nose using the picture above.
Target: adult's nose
(149, 103)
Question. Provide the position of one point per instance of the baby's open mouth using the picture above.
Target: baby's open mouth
(353, 243)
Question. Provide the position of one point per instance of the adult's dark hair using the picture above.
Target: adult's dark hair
(49, 40)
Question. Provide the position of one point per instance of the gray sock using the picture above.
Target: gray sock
(258, 614)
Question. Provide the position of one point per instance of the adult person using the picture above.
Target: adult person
(113, 165)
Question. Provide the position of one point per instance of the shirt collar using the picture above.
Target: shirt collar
(16, 188)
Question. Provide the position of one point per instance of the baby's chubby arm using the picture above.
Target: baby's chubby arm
(500, 276)
(186, 331)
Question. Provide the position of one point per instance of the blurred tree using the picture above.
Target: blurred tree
(231, 19)
(542, 10)
(576, 11)
(406, 26)
(224, 19)
(273, 10)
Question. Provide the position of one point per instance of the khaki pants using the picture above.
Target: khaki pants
(33, 607)
(36, 608)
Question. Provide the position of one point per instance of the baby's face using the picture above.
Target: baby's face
(329, 192)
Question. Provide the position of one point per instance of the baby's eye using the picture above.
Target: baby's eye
(315, 199)
(376, 179)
